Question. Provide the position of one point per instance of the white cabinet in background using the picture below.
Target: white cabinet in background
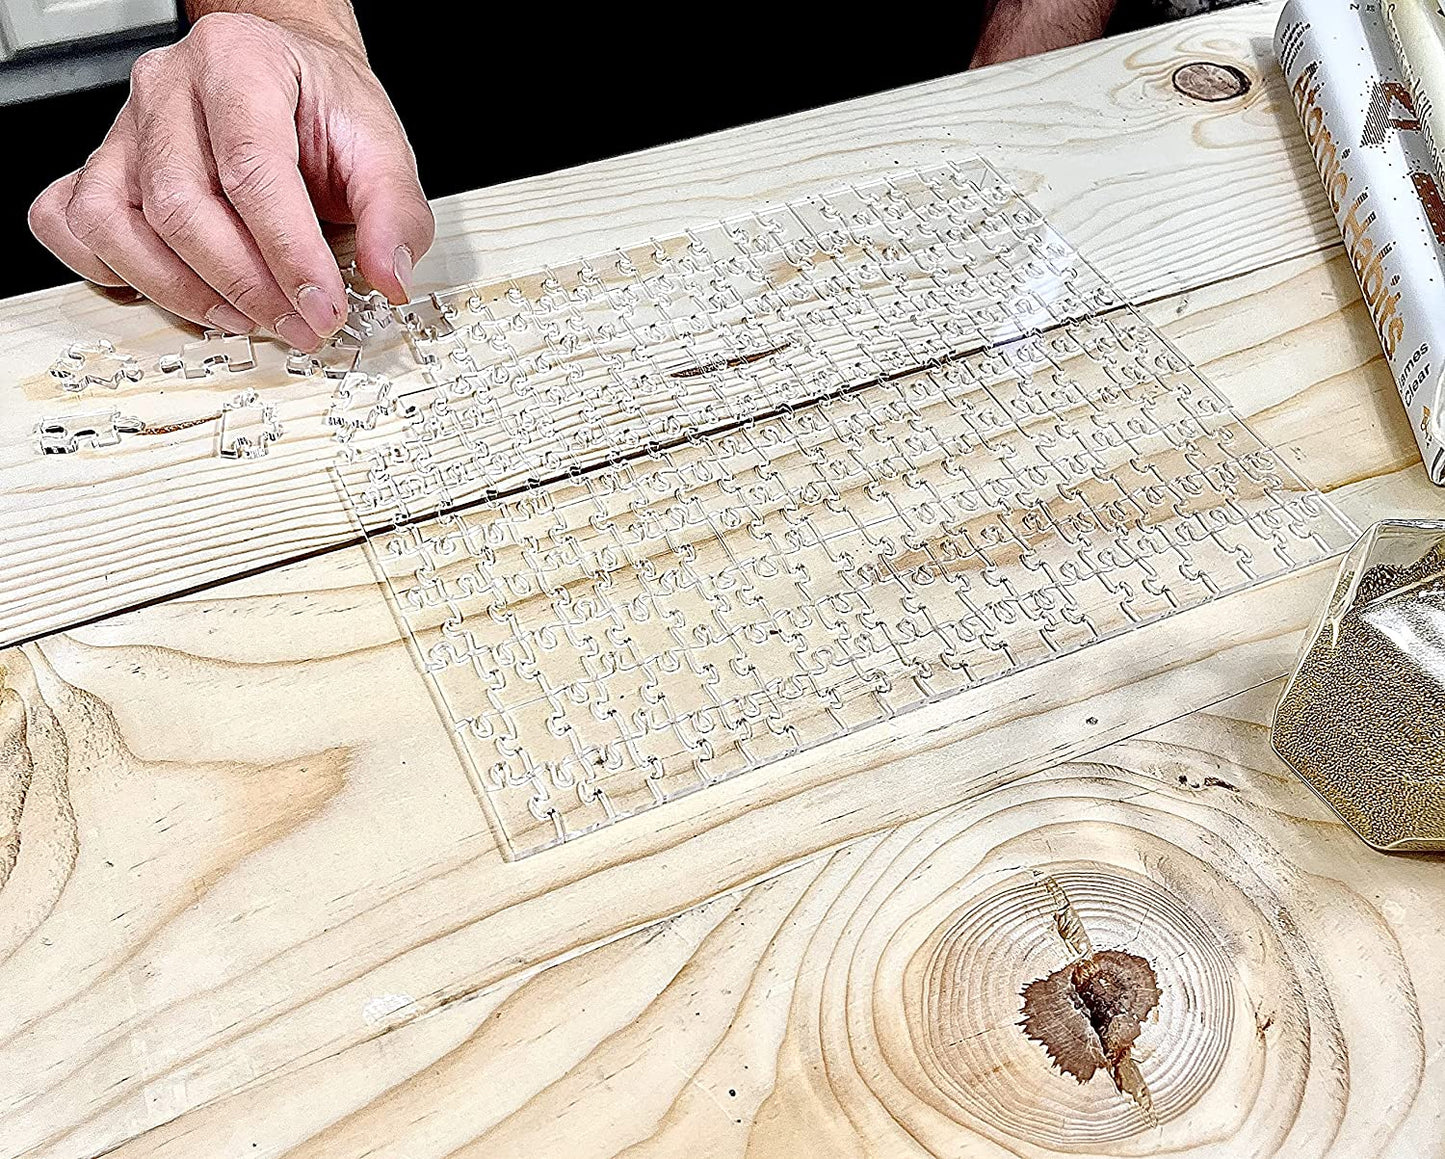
(29, 24)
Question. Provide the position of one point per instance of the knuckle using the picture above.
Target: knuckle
(44, 210)
(248, 293)
(163, 177)
(213, 26)
(148, 68)
(89, 213)
(216, 31)
(247, 172)
(170, 207)
(209, 29)
(216, 39)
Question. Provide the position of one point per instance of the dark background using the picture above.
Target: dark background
(481, 102)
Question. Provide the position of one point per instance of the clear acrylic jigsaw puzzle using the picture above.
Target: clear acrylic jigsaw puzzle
(684, 509)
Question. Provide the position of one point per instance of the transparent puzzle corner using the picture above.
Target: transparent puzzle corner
(690, 507)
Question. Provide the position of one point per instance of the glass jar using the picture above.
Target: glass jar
(1362, 718)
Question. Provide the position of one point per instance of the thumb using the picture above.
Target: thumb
(394, 223)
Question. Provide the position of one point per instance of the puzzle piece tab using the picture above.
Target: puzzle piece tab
(429, 319)
(359, 402)
(339, 357)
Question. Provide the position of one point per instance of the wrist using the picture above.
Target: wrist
(330, 21)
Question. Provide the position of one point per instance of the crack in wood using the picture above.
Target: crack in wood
(729, 364)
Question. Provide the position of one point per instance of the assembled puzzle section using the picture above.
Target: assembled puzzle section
(860, 482)
(636, 632)
(541, 374)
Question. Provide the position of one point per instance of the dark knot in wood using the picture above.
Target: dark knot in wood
(1088, 1014)
(1204, 80)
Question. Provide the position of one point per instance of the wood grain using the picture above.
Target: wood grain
(280, 865)
(35, 807)
(867, 1001)
(279, 871)
(250, 902)
(1164, 193)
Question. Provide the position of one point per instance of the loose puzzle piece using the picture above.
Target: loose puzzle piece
(66, 435)
(248, 427)
(94, 364)
(197, 359)
(669, 514)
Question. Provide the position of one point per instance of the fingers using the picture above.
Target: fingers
(104, 216)
(204, 194)
(183, 201)
(253, 139)
(394, 223)
(150, 214)
(48, 224)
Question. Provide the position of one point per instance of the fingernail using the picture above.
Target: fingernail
(229, 319)
(319, 309)
(402, 266)
(291, 329)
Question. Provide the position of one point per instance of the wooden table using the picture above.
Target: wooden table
(250, 904)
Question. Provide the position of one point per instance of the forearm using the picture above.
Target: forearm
(329, 20)
(1016, 28)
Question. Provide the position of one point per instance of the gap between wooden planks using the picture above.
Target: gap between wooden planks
(269, 830)
(1161, 192)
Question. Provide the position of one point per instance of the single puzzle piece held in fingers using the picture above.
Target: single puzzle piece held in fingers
(367, 314)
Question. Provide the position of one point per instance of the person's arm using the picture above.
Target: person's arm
(208, 192)
(323, 19)
(1018, 28)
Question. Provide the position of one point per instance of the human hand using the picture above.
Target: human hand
(208, 192)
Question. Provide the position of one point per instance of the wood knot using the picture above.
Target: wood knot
(1204, 80)
(1088, 1014)
(1093, 1008)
